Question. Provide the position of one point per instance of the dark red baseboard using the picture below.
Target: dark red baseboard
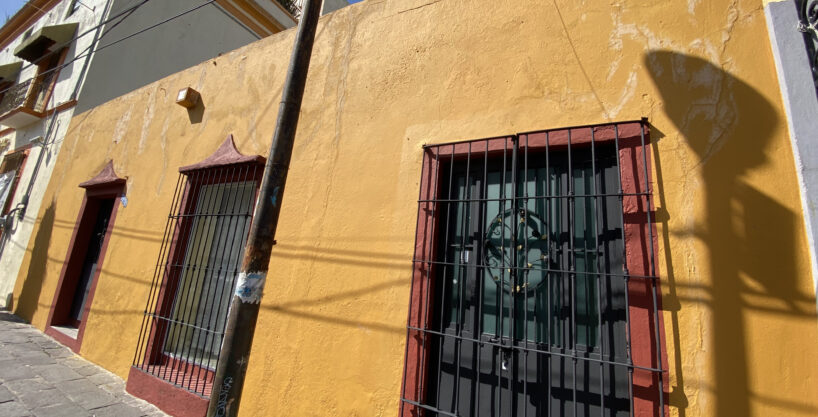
(171, 399)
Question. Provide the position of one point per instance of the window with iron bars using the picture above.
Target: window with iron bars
(201, 253)
(534, 290)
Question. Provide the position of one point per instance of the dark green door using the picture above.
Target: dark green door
(530, 287)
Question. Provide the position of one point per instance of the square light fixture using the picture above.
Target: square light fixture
(187, 97)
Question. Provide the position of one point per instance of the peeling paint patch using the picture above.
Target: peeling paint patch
(691, 6)
(627, 95)
(122, 125)
(163, 140)
(200, 83)
(146, 121)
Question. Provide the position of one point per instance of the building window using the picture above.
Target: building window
(83, 262)
(73, 6)
(27, 102)
(43, 86)
(10, 171)
(533, 272)
(31, 97)
(199, 261)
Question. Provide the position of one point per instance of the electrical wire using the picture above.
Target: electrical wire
(91, 29)
(85, 52)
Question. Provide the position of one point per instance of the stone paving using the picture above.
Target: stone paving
(42, 378)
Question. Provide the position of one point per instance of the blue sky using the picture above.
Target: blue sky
(9, 7)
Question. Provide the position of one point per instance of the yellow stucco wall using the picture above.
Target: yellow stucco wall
(390, 76)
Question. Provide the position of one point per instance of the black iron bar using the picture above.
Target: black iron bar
(159, 277)
(198, 216)
(654, 284)
(162, 270)
(231, 267)
(548, 243)
(525, 278)
(224, 188)
(501, 291)
(463, 276)
(629, 356)
(183, 323)
(171, 300)
(556, 271)
(572, 280)
(444, 281)
(196, 278)
(427, 407)
(146, 322)
(226, 284)
(553, 352)
(483, 213)
(244, 307)
(598, 215)
(547, 197)
(230, 284)
(183, 303)
(513, 276)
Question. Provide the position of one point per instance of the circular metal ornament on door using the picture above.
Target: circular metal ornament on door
(516, 242)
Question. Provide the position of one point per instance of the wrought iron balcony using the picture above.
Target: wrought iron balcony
(26, 102)
(293, 6)
(14, 97)
(808, 25)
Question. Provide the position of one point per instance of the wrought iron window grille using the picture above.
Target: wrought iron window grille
(534, 290)
(200, 256)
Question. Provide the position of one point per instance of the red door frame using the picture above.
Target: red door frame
(634, 162)
(106, 185)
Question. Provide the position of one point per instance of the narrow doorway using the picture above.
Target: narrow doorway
(91, 262)
(83, 261)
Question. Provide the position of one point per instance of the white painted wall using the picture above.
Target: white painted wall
(16, 239)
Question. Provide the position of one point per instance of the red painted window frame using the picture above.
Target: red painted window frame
(154, 354)
(164, 394)
(106, 185)
(634, 161)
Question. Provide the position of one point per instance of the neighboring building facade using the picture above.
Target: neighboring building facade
(796, 60)
(44, 87)
(546, 209)
(41, 76)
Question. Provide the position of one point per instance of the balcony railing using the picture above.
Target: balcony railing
(14, 97)
(293, 6)
(808, 24)
(28, 96)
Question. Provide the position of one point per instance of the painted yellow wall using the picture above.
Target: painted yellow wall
(390, 76)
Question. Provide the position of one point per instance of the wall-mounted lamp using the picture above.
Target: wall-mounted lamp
(187, 97)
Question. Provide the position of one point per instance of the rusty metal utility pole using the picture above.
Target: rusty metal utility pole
(244, 306)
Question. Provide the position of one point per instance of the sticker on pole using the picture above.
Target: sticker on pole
(250, 285)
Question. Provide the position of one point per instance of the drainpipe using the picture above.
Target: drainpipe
(241, 319)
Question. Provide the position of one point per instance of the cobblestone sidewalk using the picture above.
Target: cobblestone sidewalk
(40, 377)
